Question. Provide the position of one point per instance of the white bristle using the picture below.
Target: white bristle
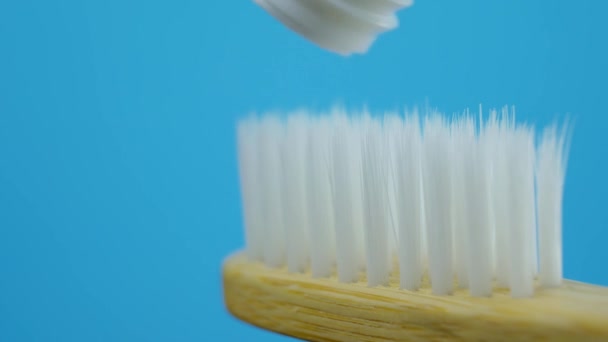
(320, 203)
(488, 140)
(270, 173)
(410, 225)
(393, 128)
(248, 152)
(344, 177)
(463, 199)
(479, 245)
(550, 182)
(356, 172)
(501, 199)
(437, 188)
(521, 164)
(463, 138)
(376, 205)
(295, 192)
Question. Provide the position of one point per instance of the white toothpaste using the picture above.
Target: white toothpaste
(341, 26)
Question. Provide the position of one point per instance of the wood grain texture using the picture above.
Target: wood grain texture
(325, 310)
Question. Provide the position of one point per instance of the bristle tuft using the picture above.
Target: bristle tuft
(466, 198)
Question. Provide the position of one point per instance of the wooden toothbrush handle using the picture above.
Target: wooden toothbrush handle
(325, 310)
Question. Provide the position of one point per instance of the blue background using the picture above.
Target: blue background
(118, 185)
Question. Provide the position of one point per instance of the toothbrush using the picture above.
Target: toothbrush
(406, 228)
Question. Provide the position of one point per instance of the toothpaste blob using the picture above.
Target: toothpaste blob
(341, 26)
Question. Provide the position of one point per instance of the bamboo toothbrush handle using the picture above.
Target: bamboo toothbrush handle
(325, 310)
